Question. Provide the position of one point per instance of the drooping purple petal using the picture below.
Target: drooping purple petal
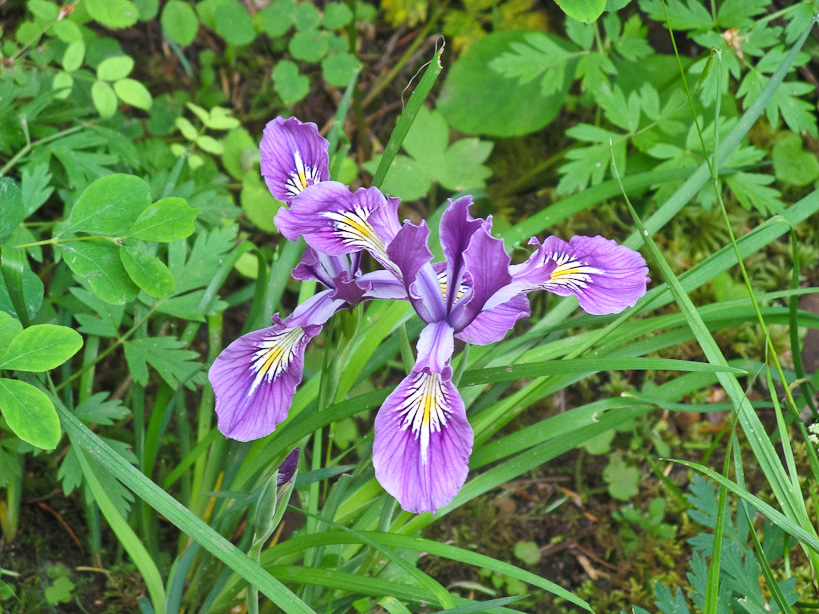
(422, 436)
(409, 250)
(294, 156)
(383, 285)
(492, 325)
(311, 268)
(316, 310)
(255, 377)
(487, 266)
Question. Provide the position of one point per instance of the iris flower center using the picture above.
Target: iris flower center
(274, 354)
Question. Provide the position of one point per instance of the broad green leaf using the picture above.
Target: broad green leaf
(29, 414)
(404, 177)
(99, 262)
(43, 9)
(233, 23)
(180, 22)
(305, 16)
(478, 100)
(289, 84)
(240, 151)
(219, 119)
(67, 30)
(339, 68)
(259, 205)
(165, 220)
(11, 205)
(110, 205)
(210, 145)
(9, 329)
(62, 84)
(583, 10)
(336, 14)
(276, 19)
(105, 100)
(41, 347)
(115, 68)
(792, 164)
(309, 45)
(148, 272)
(147, 9)
(132, 92)
(114, 14)
(74, 55)
(33, 292)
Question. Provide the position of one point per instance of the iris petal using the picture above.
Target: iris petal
(294, 157)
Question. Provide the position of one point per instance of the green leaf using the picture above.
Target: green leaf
(9, 329)
(148, 272)
(792, 164)
(166, 220)
(309, 45)
(340, 68)
(99, 262)
(751, 190)
(32, 294)
(179, 22)
(276, 19)
(289, 84)
(305, 16)
(11, 202)
(165, 354)
(41, 347)
(29, 413)
(62, 84)
(98, 410)
(74, 55)
(528, 552)
(240, 150)
(186, 128)
(113, 13)
(147, 9)
(259, 205)
(43, 9)
(219, 119)
(110, 205)
(105, 100)
(478, 100)
(623, 479)
(132, 92)
(688, 15)
(336, 14)
(583, 10)
(233, 23)
(210, 145)
(404, 178)
(115, 68)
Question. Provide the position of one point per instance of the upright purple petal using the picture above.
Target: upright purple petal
(409, 250)
(335, 221)
(255, 377)
(422, 436)
(456, 230)
(294, 157)
(492, 325)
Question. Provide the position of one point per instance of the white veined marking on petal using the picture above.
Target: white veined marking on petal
(569, 273)
(355, 230)
(274, 354)
(297, 180)
(424, 409)
(442, 282)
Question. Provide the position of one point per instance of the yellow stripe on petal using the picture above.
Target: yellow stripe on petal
(274, 355)
(570, 273)
(356, 231)
(424, 409)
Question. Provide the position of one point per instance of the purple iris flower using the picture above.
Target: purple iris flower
(423, 439)
(255, 377)
(294, 157)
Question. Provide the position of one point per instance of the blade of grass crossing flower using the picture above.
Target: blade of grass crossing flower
(792, 502)
(125, 535)
(408, 116)
(338, 119)
(177, 514)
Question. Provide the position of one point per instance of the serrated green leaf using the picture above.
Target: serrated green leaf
(583, 10)
(98, 410)
(11, 202)
(289, 83)
(104, 98)
(110, 205)
(29, 414)
(463, 166)
(115, 68)
(165, 354)
(180, 22)
(688, 15)
(99, 262)
(41, 347)
(148, 272)
(113, 13)
(209, 249)
(166, 220)
(132, 92)
(74, 56)
(751, 190)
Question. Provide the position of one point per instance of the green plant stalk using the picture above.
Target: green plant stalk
(712, 582)
(86, 388)
(793, 328)
(29, 145)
